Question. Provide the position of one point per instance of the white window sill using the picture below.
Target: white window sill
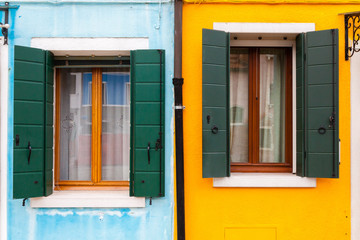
(278, 180)
(88, 199)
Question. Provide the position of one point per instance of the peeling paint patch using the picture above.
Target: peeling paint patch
(100, 213)
(56, 213)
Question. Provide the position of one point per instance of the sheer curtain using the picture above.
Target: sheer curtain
(272, 105)
(239, 95)
(115, 125)
(75, 124)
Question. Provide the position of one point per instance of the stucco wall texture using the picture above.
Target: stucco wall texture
(152, 20)
(262, 213)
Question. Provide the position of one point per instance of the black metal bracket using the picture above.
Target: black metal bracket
(352, 29)
(5, 26)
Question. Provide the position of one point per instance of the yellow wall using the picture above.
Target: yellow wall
(261, 213)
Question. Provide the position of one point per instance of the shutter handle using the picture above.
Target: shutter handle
(208, 119)
(214, 129)
(29, 147)
(322, 130)
(148, 149)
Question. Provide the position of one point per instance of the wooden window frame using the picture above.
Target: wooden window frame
(96, 110)
(254, 119)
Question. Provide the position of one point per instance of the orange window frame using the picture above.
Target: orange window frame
(253, 164)
(96, 182)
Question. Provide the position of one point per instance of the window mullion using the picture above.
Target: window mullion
(254, 86)
(257, 107)
(96, 126)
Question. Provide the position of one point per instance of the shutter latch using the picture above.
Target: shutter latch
(332, 120)
(158, 143)
(17, 140)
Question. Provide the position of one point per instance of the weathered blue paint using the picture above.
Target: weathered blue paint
(94, 19)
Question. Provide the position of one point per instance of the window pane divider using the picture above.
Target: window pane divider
(96, 126)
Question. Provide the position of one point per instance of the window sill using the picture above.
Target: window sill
(277, 180)
(88, 199)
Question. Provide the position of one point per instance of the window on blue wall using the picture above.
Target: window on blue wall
(92, 127)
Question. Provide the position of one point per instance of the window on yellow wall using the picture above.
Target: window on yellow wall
(261, 92)
(259, 82)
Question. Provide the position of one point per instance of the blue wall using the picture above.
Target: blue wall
(151, 20)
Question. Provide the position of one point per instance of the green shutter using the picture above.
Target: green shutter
(215, 105)
(147, 123)
(317, 103)
(33, 122)
(49, 115)
(300, 74)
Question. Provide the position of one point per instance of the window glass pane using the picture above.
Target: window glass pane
(115, 124)
(239, 105)
(272, 105)
(75, 124)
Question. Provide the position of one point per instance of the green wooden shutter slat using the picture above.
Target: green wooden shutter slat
(147, 179)
(49, 106)
(319, 155)
(215, 97)
(300, 124)
(33, 122)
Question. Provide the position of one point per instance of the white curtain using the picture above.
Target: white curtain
(272, 106)
(239, 94)
(75, 125)
(115, 126)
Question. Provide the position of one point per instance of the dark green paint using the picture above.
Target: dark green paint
(214, 142)
(31, 71)
(216, 117)
(213, 95)
(49, 106)
(147, 92)
(21, 163)
(144, 135)
(28, 91)
(319, 78)
(26, 112)
(28, 184)
(147, 73)
(150, 111)
(300, 104)
(143, 165)
(214, 55)
(215, 102)
(147, 178)
(320, 74)
(320, 165)
(319, 95)
(215, 165)
(33, 134)
(147, 184)
(33, 122)
(214, 38)
(212, 73)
